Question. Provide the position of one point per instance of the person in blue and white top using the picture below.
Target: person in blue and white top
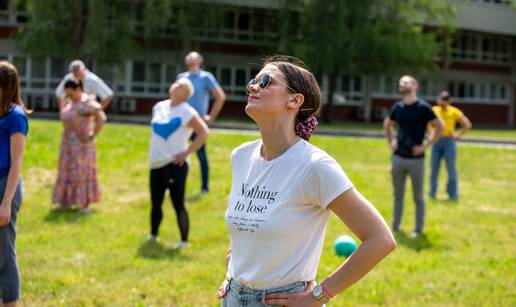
(283, 191)
(173, 122)
(14, 127)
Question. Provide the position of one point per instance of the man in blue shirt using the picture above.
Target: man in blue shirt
(204, 84)
(411, 115)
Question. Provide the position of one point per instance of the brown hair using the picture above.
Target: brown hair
(10, 87)
(299, 80)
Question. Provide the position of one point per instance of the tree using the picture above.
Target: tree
(347, 37)
(98, 29)
(110, 30)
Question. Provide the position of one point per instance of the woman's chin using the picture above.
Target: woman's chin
(251, 110)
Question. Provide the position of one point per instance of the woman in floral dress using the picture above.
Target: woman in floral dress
(82, 119)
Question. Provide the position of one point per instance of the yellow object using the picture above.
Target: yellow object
(450, 116)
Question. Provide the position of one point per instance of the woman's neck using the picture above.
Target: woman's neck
(175, 102)
(78, 98)
(277, 138)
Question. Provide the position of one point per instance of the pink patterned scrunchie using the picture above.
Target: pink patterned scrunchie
(305, 128)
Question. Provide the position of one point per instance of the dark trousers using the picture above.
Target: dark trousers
(173, 178)
(203, 160)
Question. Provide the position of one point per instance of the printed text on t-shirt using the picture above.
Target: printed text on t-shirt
(255, 200)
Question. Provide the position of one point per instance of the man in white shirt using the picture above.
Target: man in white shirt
(91, 84)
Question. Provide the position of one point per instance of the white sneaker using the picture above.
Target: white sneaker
(182, 244)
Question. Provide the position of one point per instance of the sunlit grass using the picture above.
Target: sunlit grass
(102, 259)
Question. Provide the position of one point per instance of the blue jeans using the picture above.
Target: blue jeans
(9, 273)
(203, 160)
(239, 296)
(445, 148)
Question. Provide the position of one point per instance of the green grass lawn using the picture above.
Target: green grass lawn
(102, 259)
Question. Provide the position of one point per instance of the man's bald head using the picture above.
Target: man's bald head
(408, 84)
(193, 61)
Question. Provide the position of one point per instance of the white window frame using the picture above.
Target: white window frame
(478, 55)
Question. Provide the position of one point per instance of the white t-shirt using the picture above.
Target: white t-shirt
(170, 132)
(92, 85)
(277, 213)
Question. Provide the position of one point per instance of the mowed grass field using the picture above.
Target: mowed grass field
(468, 257)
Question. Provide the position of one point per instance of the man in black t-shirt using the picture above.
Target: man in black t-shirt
(410, 116)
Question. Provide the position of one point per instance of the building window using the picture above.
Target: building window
(483, 92)
(350, 87)
(171, 72)
(38, 74)
(234, 79)
(152, 78)
(20, 62)
(482, 48)
(385, 86)
(138, 77)
(4, 10)
(493, 2)
(57, 71)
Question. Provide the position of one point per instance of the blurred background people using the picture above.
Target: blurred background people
(411, 116)
(90, 83)
(446, 147)
(83, 119)
(204, 84)
(173, 122)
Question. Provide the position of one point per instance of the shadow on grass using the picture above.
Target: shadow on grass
(71, 215)
(443, 201)
(420, 243)
(156, 250)
(193, 198)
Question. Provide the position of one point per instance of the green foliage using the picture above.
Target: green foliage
(108, 33)
(84, 28)
(347, 37)
(157, 17)
(102, 259)
(54, 28)
(360, 37)
(104, 30)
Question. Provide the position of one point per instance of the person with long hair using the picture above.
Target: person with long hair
(83, 119)
(282, 194)
(14, 127)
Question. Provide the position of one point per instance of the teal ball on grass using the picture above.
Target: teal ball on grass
(345, 246)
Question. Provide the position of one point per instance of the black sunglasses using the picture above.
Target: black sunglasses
(263, 82)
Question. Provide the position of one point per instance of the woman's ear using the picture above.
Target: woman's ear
(296, 100)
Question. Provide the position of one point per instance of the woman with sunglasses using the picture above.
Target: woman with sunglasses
(282, 194)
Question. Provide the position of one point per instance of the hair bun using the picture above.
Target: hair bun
(306, 127)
